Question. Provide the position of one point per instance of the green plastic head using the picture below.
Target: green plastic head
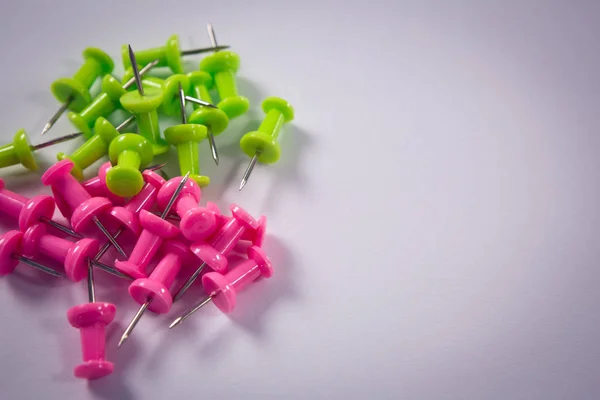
(23, 150)
(171, 105)
(173, 55)
(68, 88)
(220, 61)
(138, 104)
(257, 141)
(279, 104)
(75, 171)
(213, 118)
(187, 133)
(201, 180)
(131, 142)
(234, 106)
(112, 87)
(105, 130)
(80, 123)
(106, 63)
(201, 78)
(123, 179)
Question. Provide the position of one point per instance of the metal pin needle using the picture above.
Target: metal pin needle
(136, 73)
(109, 236)
(52, 142)
(185, 316)
(90, 283)
(189, 282)
(57, 115)
(249, 170)
(38, 266)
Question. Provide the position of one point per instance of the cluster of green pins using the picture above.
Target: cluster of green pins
(143, 98)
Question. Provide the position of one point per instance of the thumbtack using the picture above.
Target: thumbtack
(197, 223)
(223, 65)
(167, 56)
(91, 319)
(84, 208)
(95, 147)
(185, 137)
(214, 254)
(128, 153)
(29, 211)
(213, 118)
(104, 104)
(10, 249)
(262, 145)
(223, 289)
(144, 104)
(21, 152)
(156, 229)
(74, 92)
(153, 293)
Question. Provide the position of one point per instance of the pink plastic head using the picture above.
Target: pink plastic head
(190, 188)
(257, 236)
(158, 226)
(208, 254)
(153, 179)
(198, 223)
(88, 314)
(264, 264)
(36, 208)
(57, 171)
(243, 217)
(216, 285)
(31, 238)
(131, 269)
(88, 210)
(76, 261)
(142, 289)
(127, 219)
(10, 244)
(93, 369)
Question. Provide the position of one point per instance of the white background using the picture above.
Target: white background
(433, 221)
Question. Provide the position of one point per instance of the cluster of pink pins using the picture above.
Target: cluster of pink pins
(164, 225)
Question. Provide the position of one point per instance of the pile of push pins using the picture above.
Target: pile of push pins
(129, 201)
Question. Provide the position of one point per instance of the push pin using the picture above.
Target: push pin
(196, 223)
(167, 56)
(104, 104)
(222, 66)
(91, 319)
(262, 145)
(10, 255)
(84, 207)
(73, 255)
(144, 104)
(223, 289)
(29, 211)
(214, 254)
(95, 147)
(153, 293)
(74, 92)
(128, 153)
(156, 229)
(21, 152)
(213, 118)
(185, 138)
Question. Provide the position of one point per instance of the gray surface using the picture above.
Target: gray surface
(457, 260)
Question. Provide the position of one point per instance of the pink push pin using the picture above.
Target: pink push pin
(72, 255)
(91, 320)
(156, 229)
(223, 289)
(197, 223)
(10, 255)
(214, 254)
(153, 293)
(85, 208)
(28, 211)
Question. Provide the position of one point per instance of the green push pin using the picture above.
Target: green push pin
(168, 55)
(94, 148)
(222, 66)
(144, 104)
(262, 144)
(74, 92)
(129, 153)
(104, 104)
(185, 138)
(213, 118)
(21, 152)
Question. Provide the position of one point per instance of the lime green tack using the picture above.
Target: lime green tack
(93, 149)
(102, 106)
(18, 152)
(264, 141)
(75, 90)
(144, 108)
(170, 105)
(128, 153)
(222, 66)
(213, 118)
(168, 55)
(186, 138)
